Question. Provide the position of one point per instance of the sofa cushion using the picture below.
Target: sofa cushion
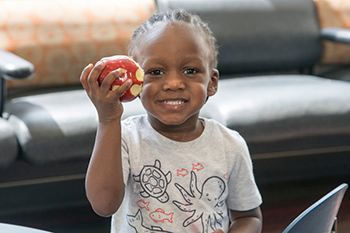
(57, 126)
(8, 143)
(282, 115)
(285, 115)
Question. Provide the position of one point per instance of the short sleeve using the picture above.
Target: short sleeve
(243, 193)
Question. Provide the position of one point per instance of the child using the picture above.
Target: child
(169, 170)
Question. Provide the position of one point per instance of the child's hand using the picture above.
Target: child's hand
(106, 102)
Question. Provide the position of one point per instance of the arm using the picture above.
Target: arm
(104, 179)
(246, 221)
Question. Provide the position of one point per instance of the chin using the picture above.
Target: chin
(173, 120)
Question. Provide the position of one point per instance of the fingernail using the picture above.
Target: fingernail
(88, 66)
(99, 63)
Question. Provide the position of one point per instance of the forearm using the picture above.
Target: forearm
(104, 178)
(246, 222)
(246, 225)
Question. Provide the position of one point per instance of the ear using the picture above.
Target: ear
(213, 82)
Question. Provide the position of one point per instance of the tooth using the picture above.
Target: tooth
(174, 102)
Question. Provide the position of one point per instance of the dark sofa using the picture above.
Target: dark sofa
(296, 122)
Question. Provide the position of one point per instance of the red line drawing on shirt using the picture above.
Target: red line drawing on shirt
(183, 172)
(159, 215)
(143, 205)
(197, 167)
(225, 176)
(136, 222)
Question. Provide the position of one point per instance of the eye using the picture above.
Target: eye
(156, 72)
(190, 71)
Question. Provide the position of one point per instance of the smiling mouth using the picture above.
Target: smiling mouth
(174, 102)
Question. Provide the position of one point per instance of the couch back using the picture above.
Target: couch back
(61, 37)
(259, 35)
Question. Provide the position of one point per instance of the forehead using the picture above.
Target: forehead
(173, 36)
(183, 29)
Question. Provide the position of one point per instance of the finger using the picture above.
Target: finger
(84, 76)
(123, 88)
(93, 76)
(109, 79)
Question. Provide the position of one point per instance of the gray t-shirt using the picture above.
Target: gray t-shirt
(183, 186)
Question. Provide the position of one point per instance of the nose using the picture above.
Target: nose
(174, 81)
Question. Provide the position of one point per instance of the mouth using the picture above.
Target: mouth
(173, 103)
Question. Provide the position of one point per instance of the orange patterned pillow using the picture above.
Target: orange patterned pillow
(61, 37)
(334, 13)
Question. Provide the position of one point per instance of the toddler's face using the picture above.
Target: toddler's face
(178, 76)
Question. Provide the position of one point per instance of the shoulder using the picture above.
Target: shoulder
(134, 123)
(134, 126)
(216, 129)
(231, 142)
(132, 120)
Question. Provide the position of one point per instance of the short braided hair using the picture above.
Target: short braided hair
(172, 16)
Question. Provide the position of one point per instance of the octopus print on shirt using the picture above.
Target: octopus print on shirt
(209, 195)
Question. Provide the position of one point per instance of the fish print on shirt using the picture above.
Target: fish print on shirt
(159, 215)
(184, 172)
(197, 167)
(136, 222)
(143, 205)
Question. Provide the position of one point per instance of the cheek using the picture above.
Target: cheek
(146, 94)
(145, 90)
(204, 89)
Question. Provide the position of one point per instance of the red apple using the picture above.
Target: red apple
(132, 71)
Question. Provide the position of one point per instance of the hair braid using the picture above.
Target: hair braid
(172, 16)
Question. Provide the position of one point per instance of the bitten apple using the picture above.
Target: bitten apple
(131, 70)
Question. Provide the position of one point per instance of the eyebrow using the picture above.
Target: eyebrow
(189, 57)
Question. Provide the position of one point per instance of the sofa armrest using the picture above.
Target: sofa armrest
(339, 35)
(14, 67)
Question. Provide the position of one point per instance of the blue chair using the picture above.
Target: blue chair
(321, 216)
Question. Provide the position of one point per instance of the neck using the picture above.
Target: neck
(180, 133)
